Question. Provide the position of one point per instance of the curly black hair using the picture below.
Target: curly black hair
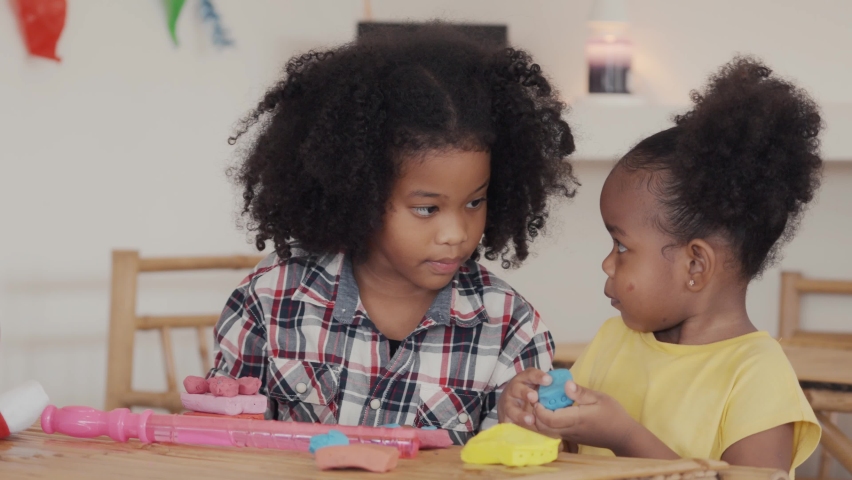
(743, 163)
(332, 131)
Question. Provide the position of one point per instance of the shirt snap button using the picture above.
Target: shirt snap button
(463, 418)
(375, 403)
(301, 388)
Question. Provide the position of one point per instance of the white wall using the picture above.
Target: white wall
(123, 145)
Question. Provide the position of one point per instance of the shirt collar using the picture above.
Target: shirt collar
(449, 306)
(347, 295)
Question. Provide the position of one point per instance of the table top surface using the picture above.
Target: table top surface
(34, 454)
(811, 363)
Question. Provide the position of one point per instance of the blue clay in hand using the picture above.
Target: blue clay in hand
(553, 396)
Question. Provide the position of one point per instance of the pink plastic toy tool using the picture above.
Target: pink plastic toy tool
(120, 425)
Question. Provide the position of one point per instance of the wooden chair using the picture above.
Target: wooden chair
(822, 363)
(124, 322)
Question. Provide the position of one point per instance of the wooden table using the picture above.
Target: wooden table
(568, 353)
(825, 375)
(821, 365)
(34, 454)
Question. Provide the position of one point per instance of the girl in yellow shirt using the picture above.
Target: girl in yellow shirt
(695, 213)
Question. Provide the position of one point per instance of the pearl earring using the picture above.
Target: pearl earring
(692, 283)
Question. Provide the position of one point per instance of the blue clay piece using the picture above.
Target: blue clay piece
(429, 427)
(330, 439)
(553, 396)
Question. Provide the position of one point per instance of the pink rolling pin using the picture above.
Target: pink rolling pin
(121, 425)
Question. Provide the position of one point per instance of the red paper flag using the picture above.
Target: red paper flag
(42, 22)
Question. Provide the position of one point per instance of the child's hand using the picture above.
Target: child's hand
(519, 397)
(595, 419)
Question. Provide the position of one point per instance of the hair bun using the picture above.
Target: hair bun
(751, 142)
(749, 153)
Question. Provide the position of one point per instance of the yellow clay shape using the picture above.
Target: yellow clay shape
(510, 445)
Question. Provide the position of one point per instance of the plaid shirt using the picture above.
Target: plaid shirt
(300, 327)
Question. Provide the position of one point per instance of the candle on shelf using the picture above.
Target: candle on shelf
(608, 50)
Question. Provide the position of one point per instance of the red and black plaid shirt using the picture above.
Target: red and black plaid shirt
(300, 327)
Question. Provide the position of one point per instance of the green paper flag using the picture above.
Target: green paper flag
(173, 8)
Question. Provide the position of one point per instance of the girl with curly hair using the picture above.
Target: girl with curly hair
(380, 171)
(695, 213)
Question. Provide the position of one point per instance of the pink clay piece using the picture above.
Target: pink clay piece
(248, 385)
(373, 458)
(195, 385)
(224, 387)
(235, 405)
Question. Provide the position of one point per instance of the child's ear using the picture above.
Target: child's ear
(702, 264)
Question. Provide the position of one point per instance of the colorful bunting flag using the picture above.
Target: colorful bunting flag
(209, 15)
(41, 22)
(173, 8)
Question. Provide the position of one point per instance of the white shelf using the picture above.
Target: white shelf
(606, 126)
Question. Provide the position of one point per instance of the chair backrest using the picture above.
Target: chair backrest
(124, 322)
(790, 332)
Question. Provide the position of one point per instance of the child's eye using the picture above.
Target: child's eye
(621, 248)
(476, 203)
(425, 211)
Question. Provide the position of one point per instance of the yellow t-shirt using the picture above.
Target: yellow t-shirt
(699, 399)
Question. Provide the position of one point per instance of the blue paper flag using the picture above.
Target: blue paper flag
(219, 34)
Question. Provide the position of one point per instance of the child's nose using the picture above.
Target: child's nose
(608, 265)
(453, 230)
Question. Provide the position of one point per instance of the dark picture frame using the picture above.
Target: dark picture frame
(496, 36)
